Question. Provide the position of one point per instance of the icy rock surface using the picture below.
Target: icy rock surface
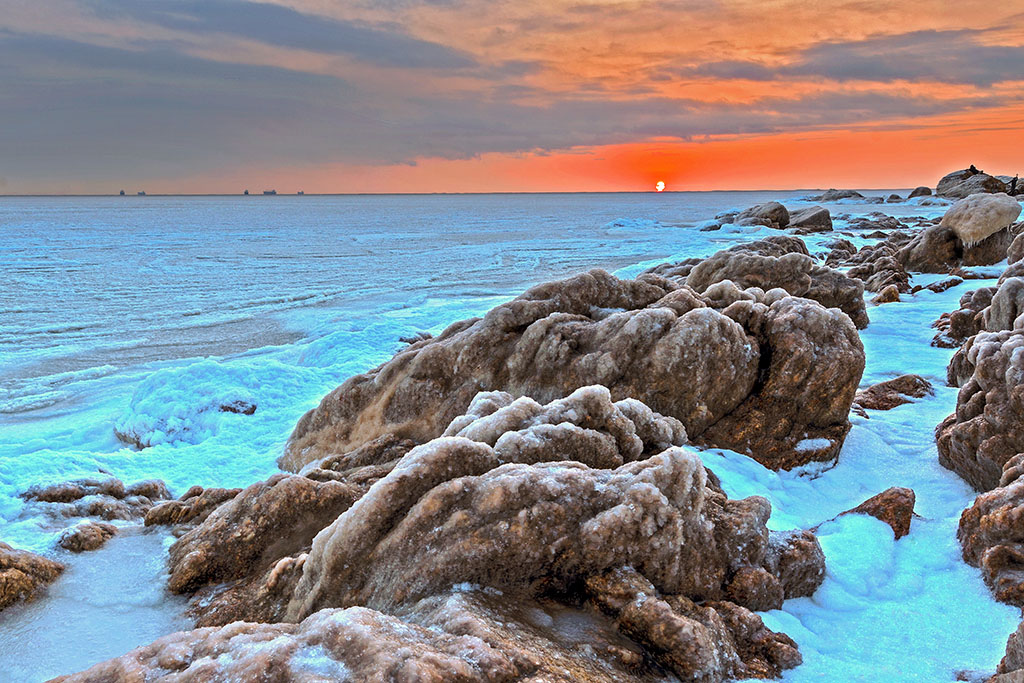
(985, 431)
(23, 574)
(692, 356)
(979, 216)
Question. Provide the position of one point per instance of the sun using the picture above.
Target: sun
(660, 186)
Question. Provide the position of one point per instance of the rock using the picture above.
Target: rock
(987, 428)
(761, 265)
(878, 266)
(981, 215)
(354, 644)
(894, 392)
(1006, 311)
(891, 294)
(960, 184)
(920, 191)
(239, 407)
(800, 399)
(24, 574)
(106, 498)
(711, 642)
(812, 219)
(989, 535)
(938, 249)
(1013, 662)
(938, 287)
(834, 195)
(771, 214)
(193, 507)
(957, 327)
(894, 506)
(262, 524)
(877, 221)
(444, 515)
(1015, 253)
(87, 535)
(635, 337)
(893, 199)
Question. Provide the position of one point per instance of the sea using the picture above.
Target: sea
(143, 315)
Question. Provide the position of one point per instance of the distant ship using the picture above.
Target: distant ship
(122, 193)
(301, 192)
(246, 192)
(141, 193)
(269, 191)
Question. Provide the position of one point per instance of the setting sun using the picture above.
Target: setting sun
(660, 186)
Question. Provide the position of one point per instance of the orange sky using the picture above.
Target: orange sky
(474, 96)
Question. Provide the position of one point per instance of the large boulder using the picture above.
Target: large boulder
(920, 191)
(24, 574)
(520, 510)
(963, 183)
(987, 428)
(693, 356)
(794, 271)
(958, 326)
(1015, 253)
(505, 461)
(990, 534)
(981, 215)
(771, 214)
(811, 219)
(939, 249)
(834, 195)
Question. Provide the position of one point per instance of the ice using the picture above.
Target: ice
(106, 603)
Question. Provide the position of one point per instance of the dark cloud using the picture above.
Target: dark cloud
(942, 56)
(286, 27)
(74, 111)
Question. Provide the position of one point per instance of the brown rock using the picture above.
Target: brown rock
(353, 644)
(772, 214)
(963, 183)
(894, 506)
(894, 392)
(957, 327)
(412, 530)
(990, 538)
(891, 294)
(1013, 662)
(105, 498)
(938, 249)
(86, 536)
(1015, 253)
(24, 574)
(920, 191)
(635, 337)
(265, 522)
(812, 219)
(988, 426)
(192, 508)
(794, 271)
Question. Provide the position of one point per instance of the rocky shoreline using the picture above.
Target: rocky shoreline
(521, 497)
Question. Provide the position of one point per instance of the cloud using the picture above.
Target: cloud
(940, 56)
(285, 27)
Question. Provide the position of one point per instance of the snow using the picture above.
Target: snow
(313, 311)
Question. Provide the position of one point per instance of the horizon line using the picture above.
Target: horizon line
(427, 194)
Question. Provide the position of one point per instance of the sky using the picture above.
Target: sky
(217, 96)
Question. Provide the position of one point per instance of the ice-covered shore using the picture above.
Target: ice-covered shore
(847, 629)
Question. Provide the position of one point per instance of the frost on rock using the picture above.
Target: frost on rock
(979, 216)
(23, 574)
(695, 357)
(782, 262)
(492, 533)
(894, 392)
(354, 644)
(987, 428)
(991, 535)
(940, 249)
(107, 498)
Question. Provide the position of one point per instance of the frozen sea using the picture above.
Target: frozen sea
(146, 313)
